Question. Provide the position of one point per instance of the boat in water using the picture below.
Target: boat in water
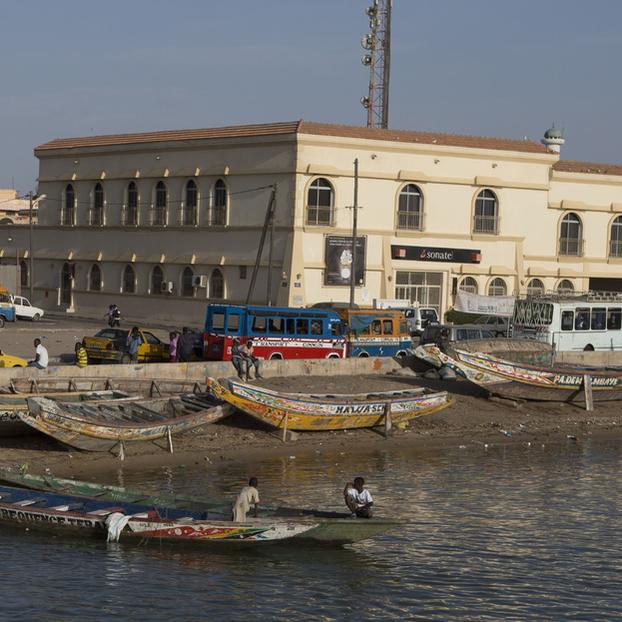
(298, 411)
(522, 381)
(104, 426)
(65, 514)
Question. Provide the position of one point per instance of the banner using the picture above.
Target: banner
(484, 305)
(338, 259)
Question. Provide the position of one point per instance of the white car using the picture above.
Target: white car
(23, 309)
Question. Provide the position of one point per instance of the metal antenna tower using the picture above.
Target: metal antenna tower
(378, 58)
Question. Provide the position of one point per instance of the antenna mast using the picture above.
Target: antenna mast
(378, 58)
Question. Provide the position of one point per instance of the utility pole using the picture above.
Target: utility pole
(378, 58)
(355, 208)
(30, 259)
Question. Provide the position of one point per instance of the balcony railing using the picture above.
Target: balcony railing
(319, 215)
(218, 216)
(129, 216)
(485, 224)
(571, 246)
(411, 221)
(68, 217)
(188, 217)
(96, 217)
(158, 217)
(615, 248)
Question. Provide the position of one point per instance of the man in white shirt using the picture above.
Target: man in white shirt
(358, 499)
(249, 496)
(41, 356)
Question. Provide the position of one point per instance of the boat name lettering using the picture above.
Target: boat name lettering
(569, 379)
(49, 518)
(359, 409)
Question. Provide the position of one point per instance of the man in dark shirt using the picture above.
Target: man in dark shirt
(185, 345)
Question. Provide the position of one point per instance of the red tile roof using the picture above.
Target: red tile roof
(300, 127)
(592, 168)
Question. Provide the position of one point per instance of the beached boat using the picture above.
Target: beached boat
(297, 411)
(11, 405)
(105, 425)
(75, 515)
(522, 381)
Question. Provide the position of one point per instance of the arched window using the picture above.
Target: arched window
(97, 212)
(24, 275)
(68, 214)
(131, 210)
(218, 213)
(189, 216)
(565, 286)
(161, 201)
(615, 245)
(95, 278)
(409, 209)
(468, 284)
(497, 287)
(216, 285)
(129, 280)
(486, 213)
(571, 236)
(535, 287)
(320, 201)
(187, 282)
(157, 280)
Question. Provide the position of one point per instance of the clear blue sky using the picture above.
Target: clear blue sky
(488, 67)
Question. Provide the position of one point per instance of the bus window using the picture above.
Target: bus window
(567, 320)
(582, 319)
(233, 322)
(598, 318)
(275, 325)
(218, 321)
(376, 328)
(302, 327)
(387, 327)
(335, 329)
(316, 327)
(290, 326)
(614, 318)
(259, 324)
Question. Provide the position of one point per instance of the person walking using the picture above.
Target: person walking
(134, 340)
(249, 496)
(41, 356)
(172, 346)
(82, 358)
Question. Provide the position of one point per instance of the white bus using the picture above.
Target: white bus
(581, 322)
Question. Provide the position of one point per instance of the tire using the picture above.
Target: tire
(36, 317)
(19, 366)
(275, 357)
(333, 356)
(588, 348)
(363, 355)
(2, 321)
(400, 354)
(126, 359)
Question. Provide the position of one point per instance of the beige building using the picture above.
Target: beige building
(161, 223)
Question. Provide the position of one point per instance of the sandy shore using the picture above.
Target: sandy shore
(473, 420)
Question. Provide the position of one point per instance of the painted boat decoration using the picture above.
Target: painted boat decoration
(297, 411)
(106, 425)
(81, 516)
(11, 405)
(522, 381)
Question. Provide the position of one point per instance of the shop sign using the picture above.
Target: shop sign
(434, 253)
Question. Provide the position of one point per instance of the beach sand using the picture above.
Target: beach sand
(472, 420)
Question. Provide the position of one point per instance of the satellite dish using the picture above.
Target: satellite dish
(366, 42)
(366, 60)
(365, 101)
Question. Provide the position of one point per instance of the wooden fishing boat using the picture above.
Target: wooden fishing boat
(106, 425)
(75, 515)
(11, 405)
(522, 381)
(297, 411)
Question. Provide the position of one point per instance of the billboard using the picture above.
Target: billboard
(338, 260)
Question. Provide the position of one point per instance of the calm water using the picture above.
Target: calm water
(516, 534)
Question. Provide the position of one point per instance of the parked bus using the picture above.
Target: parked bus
(376, 332)
(581, 322)
(277, 332)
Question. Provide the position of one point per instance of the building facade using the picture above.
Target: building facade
(161, 223)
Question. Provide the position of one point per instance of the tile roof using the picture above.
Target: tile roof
(593, 168)
(301, 127)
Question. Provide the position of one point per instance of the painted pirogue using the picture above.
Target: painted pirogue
(297, 411)
(522, 381)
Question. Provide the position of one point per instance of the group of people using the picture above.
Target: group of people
(181, 345)
(243, 358)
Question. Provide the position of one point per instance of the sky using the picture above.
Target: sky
(482, 67)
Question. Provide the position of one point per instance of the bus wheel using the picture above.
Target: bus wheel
(276, 357)
(332, 356)
(401, 353)
(363, 355)
(588, 348)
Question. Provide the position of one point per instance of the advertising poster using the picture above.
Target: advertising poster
(338, 259)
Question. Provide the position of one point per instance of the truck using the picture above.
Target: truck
(417, 317)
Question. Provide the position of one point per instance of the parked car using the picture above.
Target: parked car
(24, 310)
(8, 360)
(7, 310)
(109, 345)
(418, 318)
(442, 333)
(499, 325)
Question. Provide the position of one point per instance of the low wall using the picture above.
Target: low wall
(199, 370)
(589, 359)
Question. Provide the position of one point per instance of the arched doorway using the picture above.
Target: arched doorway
(66, 284)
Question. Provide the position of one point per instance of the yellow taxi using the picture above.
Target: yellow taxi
(8, 360)
(109, 345)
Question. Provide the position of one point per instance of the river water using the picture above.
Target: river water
(512, 533)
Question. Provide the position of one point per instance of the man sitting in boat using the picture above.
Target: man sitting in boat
(358, 498)
(246, 498)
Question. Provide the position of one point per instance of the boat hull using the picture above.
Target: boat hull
(322, 412)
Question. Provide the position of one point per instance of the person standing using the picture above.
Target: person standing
(185, 345)
(172, 346)
(41, 356)
(133, 342)
(239, 360)
(358, 498)
(82, 358)
(248, 351)
(249, 496)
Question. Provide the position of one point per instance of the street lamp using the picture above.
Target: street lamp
(33, 201)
